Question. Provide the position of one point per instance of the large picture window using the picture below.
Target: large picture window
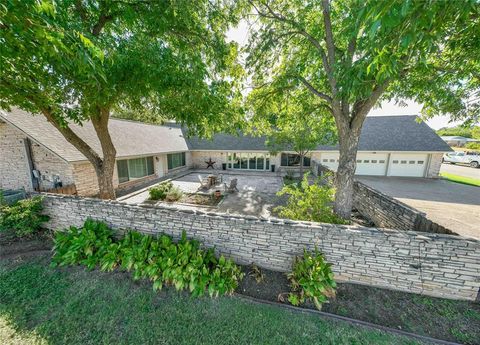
(176, 160)
(132, 169)
(293, 160)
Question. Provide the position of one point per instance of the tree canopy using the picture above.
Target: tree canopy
(351, 54)
(76, 60)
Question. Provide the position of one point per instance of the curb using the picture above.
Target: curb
(346, 319)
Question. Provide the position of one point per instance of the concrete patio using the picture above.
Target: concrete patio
(256, 194)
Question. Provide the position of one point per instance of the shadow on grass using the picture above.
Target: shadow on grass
(73, 306)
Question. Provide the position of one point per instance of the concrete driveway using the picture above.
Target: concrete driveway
(452, 205)
(460, 170)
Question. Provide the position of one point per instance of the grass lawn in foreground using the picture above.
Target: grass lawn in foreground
(461, 179)
(39, 304)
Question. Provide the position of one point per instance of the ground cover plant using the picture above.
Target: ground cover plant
(311, 279)
(309, 201)
(68, 305)
(161, 260)
(23, 218)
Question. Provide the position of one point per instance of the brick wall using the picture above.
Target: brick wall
(51, 165)
(387, 212)
(435, 165)
(14, 172)
(432, 264)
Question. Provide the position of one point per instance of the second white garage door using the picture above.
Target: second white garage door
(372, 164)
(407, 164)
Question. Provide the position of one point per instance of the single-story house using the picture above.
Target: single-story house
(458, 141)
(34, 155)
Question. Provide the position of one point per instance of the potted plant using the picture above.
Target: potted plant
(218, 193)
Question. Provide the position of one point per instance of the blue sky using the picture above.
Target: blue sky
(239, 34)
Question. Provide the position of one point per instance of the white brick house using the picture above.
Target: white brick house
(34, 155)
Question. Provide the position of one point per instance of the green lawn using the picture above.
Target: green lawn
(461, 179)
(39, 304)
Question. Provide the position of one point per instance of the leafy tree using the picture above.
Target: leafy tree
(476, 132)
(76, 60)
(455, 131)
(293, 121)
(350, 54)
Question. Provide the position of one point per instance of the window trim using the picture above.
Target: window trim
(183, 160)
(127, 166)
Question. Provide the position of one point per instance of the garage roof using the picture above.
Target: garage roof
(129, 138)
(379, 133)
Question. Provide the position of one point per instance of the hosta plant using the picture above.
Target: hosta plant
(183, 264)
(311, 279)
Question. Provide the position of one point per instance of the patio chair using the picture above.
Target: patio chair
(233, 186)
(204, 182)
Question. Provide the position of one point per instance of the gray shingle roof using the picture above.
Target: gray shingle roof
(379, 133)
(130, 138)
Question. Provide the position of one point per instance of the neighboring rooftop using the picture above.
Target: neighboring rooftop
(129, 138)
(379, 133)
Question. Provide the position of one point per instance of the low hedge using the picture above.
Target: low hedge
(183, 264)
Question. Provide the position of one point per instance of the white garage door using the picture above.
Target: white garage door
(372, 164)
(330, 160)
(407, 164)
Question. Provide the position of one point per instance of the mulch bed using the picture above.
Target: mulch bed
(457, 321)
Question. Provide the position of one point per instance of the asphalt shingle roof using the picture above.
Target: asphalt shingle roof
(129, 138)
(379, 133)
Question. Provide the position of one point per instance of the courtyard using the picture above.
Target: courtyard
(256, 195)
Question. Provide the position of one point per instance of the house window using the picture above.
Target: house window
(403, 162)
(176, 160)
(411, 162)
(325, 160)
(395, 162)
(374, 161)
(420, 162)
(131, 169)
(381, 161)
(293, 160)
(359, 161)
(332, 160)
(366, 161)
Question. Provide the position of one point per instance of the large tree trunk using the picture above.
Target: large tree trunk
(348, 140)
(106, 167)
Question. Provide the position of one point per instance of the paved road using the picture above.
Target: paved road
(461, 170)
(453, 205)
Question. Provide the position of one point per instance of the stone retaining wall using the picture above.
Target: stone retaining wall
(437, 265)
(387, 212)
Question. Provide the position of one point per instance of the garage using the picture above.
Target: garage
(407, 164)
(372, 164)
(330, 160)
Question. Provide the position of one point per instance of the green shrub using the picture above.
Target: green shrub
(473, 146)
(310, 202)
(85, 246)
(311, 279)
(161, 260)
(24, 217)
(174, 194)
(160, 191)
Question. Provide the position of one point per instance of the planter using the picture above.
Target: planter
(218, 194)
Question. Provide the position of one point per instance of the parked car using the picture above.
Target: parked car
(469, 158)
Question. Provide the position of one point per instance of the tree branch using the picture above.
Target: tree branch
(314, 90)
(362, 107)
